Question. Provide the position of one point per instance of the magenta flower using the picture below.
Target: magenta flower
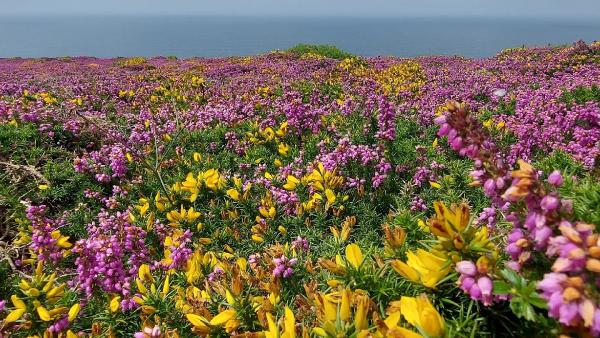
(284, 266)
(555, 178)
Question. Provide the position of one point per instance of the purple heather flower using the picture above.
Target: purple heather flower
(149, 332)
(489, 186)
(42, 241)
(300, 244)
(216, 274)
(555, 178)
(456, 143)
(109, 258)
(485, 285)
(444, 129)
(549, 203)
(60, 325)
(475, 282)
(440, 120)
(466, 268)
(284, 266)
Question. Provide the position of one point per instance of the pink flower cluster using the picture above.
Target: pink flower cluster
(475, 281)
(571, 288)
(541, 228)
(43, 243)
(284, 266)
(109, 258)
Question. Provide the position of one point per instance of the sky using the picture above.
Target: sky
(543, 9)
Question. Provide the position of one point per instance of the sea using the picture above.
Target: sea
(198, 36)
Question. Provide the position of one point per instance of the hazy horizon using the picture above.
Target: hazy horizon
(472, 28)
(300, 16)
(532, 9)
(188, 36)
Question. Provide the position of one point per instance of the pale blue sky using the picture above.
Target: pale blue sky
(555, 9)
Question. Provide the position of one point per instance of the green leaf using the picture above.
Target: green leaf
(538, 301)
(501, 288)
(512, 276)
(522, 309)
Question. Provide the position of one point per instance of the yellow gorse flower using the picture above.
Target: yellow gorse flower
(41, 300)
(291, 183)
(403, 77)
(321, 179)
(161, 202)
(394, 237)
(449, 222)
(421, 314)
(283, 129)
(454, 235)
(149, 295)
(353, 258)
(324, 182)
(196, 156)
(342, 312)
(341, 235)
(234, 194)
(183, 215)
(390, 327)
(289, 326)
(226, 318)
(354, 255)
(191, 185)
(423, 267)
(267, 207)
(283, 149)
(210, 179)
(115, 303)
(143, 206)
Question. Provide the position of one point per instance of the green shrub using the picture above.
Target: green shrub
(322, 50)
(581, 95)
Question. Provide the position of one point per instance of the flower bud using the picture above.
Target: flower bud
(466, 268)
(440, 120)
(549, 203)
(456, 143)
(475, 292)
(489, 186)
(485, 285)
(555, 178)
(467, 283)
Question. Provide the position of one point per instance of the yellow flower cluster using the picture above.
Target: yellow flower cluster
(41, 301)
(355, 66)
(211, 179)
(198, 81)
(403, 77)
(231, 293)
(423, 267)
(325, 182)
(312, 55)
(132, 62)
(347, 313)
(268, 134)
(454, 235)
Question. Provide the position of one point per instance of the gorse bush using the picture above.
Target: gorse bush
(308, 193)
(327, 51)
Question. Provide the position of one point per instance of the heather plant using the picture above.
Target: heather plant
(304, 193)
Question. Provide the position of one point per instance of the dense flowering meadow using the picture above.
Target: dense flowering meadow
(301, 195)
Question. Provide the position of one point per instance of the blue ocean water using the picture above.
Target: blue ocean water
(186, 36)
